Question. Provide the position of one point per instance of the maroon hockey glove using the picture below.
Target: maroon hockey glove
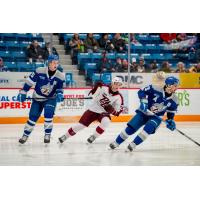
(110, 109)
(94, 89)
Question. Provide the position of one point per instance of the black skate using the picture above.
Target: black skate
(91, 139)
(47, 138)
(23, 139)
(113, 145)
(131, 146)
(62, 138)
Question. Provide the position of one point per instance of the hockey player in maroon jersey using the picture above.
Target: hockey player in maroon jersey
(106, 101)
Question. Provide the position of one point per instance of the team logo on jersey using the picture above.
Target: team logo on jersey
(47, 89)
(104, 101)
(158, 107)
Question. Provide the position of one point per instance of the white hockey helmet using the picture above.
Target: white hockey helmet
(117, 80)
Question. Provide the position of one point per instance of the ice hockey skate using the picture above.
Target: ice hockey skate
(131, 146)
(23, 139)
(47, 138)
(113, 145)
(91, 139)
(62, 138)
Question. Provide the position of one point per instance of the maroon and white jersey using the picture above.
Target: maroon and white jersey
(104, 96)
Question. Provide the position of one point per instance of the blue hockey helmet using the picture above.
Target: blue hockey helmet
(52, 57)
(171, 80)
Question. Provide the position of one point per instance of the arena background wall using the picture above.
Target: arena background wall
(12, 111)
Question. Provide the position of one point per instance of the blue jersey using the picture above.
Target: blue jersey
(158, 102)
(45, 86)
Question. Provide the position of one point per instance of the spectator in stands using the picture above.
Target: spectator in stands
(197, 55)
(125, 65)
(106, 64)
(133, 65)
(3, 68)
(121, 65)
(35, 52)
(77, 46)
(119, 43)
(165, 67)
(195, 69)
(168, 37)
(133, 39)
(142, 67)
(124, 37)
(154, 67)
(48, 50)
(181, 37)
(180, 68)
(106, 44)
(91, 43)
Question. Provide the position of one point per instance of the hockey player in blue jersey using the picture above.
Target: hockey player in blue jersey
(48, 92)
(158, 100)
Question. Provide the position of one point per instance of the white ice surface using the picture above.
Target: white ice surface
(163, 148)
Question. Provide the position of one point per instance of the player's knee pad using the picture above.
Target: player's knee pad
(151, 126)
(49, 111)
(105, 122)
(130, 130)
(33, 117)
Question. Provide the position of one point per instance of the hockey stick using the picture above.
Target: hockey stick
(55, 97)
(189, 138)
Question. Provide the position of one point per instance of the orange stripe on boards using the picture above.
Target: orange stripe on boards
(75, 119)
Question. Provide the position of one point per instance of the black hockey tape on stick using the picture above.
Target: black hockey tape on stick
(189, 138)
(55, 97)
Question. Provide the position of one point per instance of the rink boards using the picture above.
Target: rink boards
(12, 111)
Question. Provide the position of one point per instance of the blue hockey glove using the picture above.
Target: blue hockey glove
(144, 105)
(59, 97)
(170, 124)
(21, 96)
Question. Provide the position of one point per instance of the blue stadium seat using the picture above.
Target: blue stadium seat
(137, 48)
(19, 56)
(152, 48)
(26, 37)
(8, 36)
(134, 55)
(23, 45)
(11, 66)
(96, 36)
(96, 77)
(96, 57)
(121, 55)
(106, 78)
(82, 36)
(90, 68)
(25, 67)
(39, 64)
(155, 39)
(158, 57)
(3, 46)
(111, 56)
(6, 56)
(146, 56)
(144, 39)
(82, 59)
(12, 46)
(68, 36)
